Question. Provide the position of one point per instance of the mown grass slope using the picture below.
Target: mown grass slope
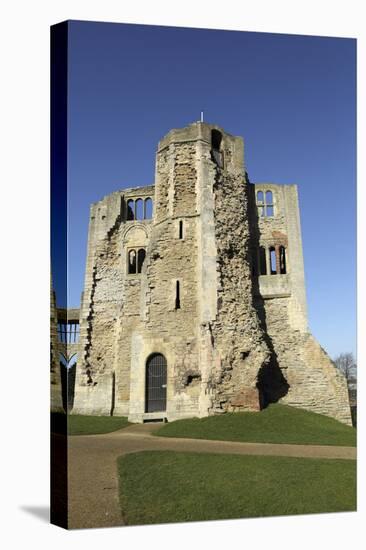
(162, 487)
(88, 425)
(275, 424)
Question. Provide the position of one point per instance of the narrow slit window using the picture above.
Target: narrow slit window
(272, 256)
(139, 204)
(177, 295)
(282, 260)
(130, 209)
(262, 261)
(140, 259)
(181, 229)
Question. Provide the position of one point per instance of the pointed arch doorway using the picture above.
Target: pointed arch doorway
(156, 381)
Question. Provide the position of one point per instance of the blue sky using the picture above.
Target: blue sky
(291, 97)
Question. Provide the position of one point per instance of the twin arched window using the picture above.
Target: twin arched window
(265, 204)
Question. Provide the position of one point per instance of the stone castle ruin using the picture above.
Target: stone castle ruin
(194, 300)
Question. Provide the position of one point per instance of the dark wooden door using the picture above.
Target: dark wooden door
(156, 383)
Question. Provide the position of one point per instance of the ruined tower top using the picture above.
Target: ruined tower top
(221, 143)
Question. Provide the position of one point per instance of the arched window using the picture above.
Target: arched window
(148, 209)
(132, 261)
(140, 259)
(272, 258)
(130, 209)
(139, 209)
(282, 251)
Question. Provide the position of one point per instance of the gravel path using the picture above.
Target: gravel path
(93, 482)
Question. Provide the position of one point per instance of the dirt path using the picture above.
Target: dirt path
(93, 482)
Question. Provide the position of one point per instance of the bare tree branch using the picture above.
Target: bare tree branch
(346, 363)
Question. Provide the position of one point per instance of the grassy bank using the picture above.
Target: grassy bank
(276, 424)
(88, 425)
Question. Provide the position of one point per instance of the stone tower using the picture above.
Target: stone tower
(199, 307)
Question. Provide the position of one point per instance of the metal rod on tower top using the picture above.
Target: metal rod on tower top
(201, 116)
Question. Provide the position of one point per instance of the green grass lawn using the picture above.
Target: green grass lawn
(163, 487)
(88, 425)
(276, 424)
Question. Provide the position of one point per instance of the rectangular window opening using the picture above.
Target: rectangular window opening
(68, 333)
(262, 261)
(181, 229)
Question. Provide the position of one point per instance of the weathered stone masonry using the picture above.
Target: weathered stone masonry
(209, 289)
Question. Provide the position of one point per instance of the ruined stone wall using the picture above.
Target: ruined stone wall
(213, 342)
(232, 339)
(313, 381)
(55, 374)
(102, 381)
(237, 336)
